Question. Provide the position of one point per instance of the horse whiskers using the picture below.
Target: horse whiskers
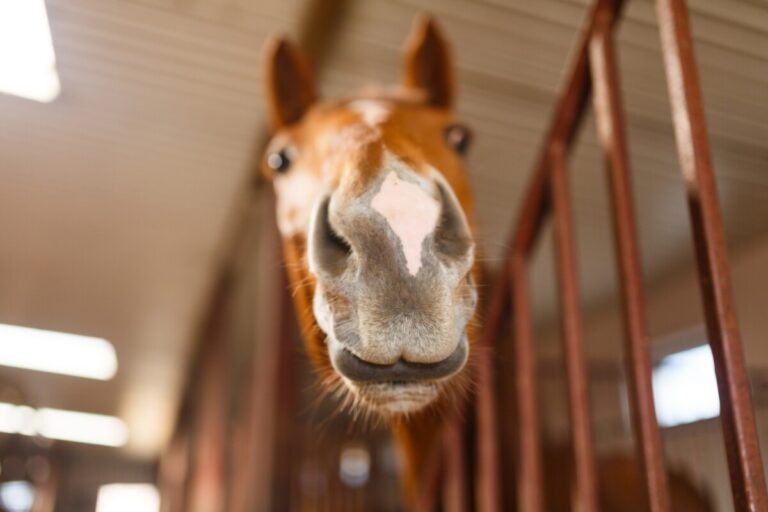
(364, 414)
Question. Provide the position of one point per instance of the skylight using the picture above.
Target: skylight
(685, 387)
(57, 352)
(27, 59)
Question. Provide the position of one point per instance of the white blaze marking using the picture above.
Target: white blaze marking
(411, 213)
(373, 112)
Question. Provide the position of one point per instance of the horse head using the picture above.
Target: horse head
(373, 204)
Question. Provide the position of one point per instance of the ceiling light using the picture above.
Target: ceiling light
(128, 498)
(63, 425)
(56, 352)
(17, 495)
(685, 387)
(27, 59)
(81, 427)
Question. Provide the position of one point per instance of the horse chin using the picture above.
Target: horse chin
(392, 399)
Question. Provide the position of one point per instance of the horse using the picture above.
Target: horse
(375, 212)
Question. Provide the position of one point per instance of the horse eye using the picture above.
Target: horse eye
(458, 137)
(279, 161)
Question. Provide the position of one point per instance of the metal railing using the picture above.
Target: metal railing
(469, 476)
(594, 73)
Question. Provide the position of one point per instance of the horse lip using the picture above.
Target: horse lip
(358, 370)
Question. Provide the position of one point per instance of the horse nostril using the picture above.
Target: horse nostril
(453, 239)
(328, 251)
(356, 369)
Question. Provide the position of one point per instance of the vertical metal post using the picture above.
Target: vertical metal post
(529, 468)
(487, 478)
(454, 474)
(256, 438)
(745, 465)
(428, 495)
(173, 469)
(610, 123)
(567, 117)
(207, 487)
(46, 494)
(287, 444)
(573, 346)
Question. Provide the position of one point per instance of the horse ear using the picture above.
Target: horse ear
(428, 63)
(289, 86)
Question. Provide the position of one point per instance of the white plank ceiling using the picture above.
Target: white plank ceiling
(116, 198)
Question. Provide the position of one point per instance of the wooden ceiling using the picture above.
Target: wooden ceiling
(116, 199)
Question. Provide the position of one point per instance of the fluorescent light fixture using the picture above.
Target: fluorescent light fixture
(17, 495)
(79, 427)
(128, 498)
(685, 387)
(57, 352)
(27, 59)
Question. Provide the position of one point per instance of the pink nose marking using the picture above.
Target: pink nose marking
(411, 213)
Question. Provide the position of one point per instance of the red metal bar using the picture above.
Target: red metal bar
(285, 406)
(745, 465)
(565, 122)
(529, 469)
(610, 123)
(208, 472)
(427, 500)
(256, 441)
(46, 494)
(173, 470)
(487, 491)
(454, 475)
(573, 346)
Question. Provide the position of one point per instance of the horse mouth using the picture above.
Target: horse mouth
(397, 397)
(401, 372)
(400, 388)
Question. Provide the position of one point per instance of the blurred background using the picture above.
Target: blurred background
(138, 242)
